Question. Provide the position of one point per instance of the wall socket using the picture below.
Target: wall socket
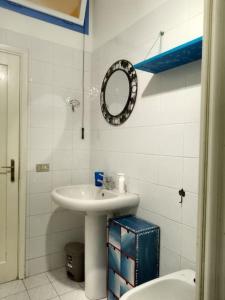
(42, 168)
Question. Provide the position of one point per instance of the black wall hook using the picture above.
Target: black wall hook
(182, 194)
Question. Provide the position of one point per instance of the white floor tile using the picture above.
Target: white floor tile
(11, 288)
(65, 285)
(35, 281)
(19, 296)
(82, 284)
(78, 295)
(43, 292)
(56, 274)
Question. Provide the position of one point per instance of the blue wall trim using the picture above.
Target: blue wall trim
(46, 17)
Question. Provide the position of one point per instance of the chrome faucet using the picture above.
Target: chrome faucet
(108, 183)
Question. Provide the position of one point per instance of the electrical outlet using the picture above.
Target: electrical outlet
(42, 168)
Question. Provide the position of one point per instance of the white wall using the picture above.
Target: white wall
(157, 147)
(55, 72)
(121, 14)
(43, 30)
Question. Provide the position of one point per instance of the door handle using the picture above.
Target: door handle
(11, 170)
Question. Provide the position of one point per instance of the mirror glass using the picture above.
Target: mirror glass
(117, 92)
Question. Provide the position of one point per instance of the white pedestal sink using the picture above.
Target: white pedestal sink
(96, 204)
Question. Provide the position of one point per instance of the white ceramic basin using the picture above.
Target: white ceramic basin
(97, 204)
(88, 198)
(175, 286)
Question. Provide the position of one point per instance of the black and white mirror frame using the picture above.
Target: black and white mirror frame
(129, 70)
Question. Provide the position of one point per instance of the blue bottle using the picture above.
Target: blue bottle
(99, 178)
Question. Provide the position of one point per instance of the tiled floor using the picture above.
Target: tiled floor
(52, 285)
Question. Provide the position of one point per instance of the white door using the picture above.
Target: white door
(9, 159)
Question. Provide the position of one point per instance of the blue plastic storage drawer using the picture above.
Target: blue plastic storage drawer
(114, 258)
(133, 253)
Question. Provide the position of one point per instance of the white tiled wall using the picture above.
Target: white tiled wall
(53, 137)
(157, 147)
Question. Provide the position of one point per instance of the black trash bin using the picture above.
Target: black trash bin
(75, 261)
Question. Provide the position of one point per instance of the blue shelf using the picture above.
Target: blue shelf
(181, 55)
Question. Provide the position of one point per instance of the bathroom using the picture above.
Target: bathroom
(56, 61)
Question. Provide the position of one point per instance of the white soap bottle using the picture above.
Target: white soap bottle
(121, 183)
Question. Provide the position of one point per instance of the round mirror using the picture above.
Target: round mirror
(119, 92)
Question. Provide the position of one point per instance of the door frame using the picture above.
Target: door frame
(23, 119)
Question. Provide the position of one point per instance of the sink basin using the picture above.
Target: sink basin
(88, 198)
(175, 286)
(97, 204)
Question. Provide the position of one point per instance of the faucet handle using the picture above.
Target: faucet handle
(108, 183)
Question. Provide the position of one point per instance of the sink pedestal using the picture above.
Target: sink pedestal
(95, 256)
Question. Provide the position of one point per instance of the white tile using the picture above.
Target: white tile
(193, 102)
(190, 210)
(41, 50)
(170, 171)
(41, 72)
(70, 296)
(81, 159)
(62, 160)
(195, 26)
(41, 138)
(39, 156)
(65, 220)
(195, 7)
(187, 264)
(35, 281)
(171, 235)
(169, 262)
(56, 274)
(38, 265)
(41, 94)
(78, 295)
(175, 37)
(62, 55)
(191, 140)
(190, 180)
(18, 296)
(17, 40)
(78, 59)
(171, 140)
(78, 142)
(43, 292)
(189, 241)
(41, 115)
(39, 246)
(168, 203)
(11, 288)
(62, 139)
(62, 117)
(66, 77)
(61, 178)
(39, 203)
(143, 167)
(39, 225)
(60, 239)
(40, 182)
(80, 177)
(65, 285)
